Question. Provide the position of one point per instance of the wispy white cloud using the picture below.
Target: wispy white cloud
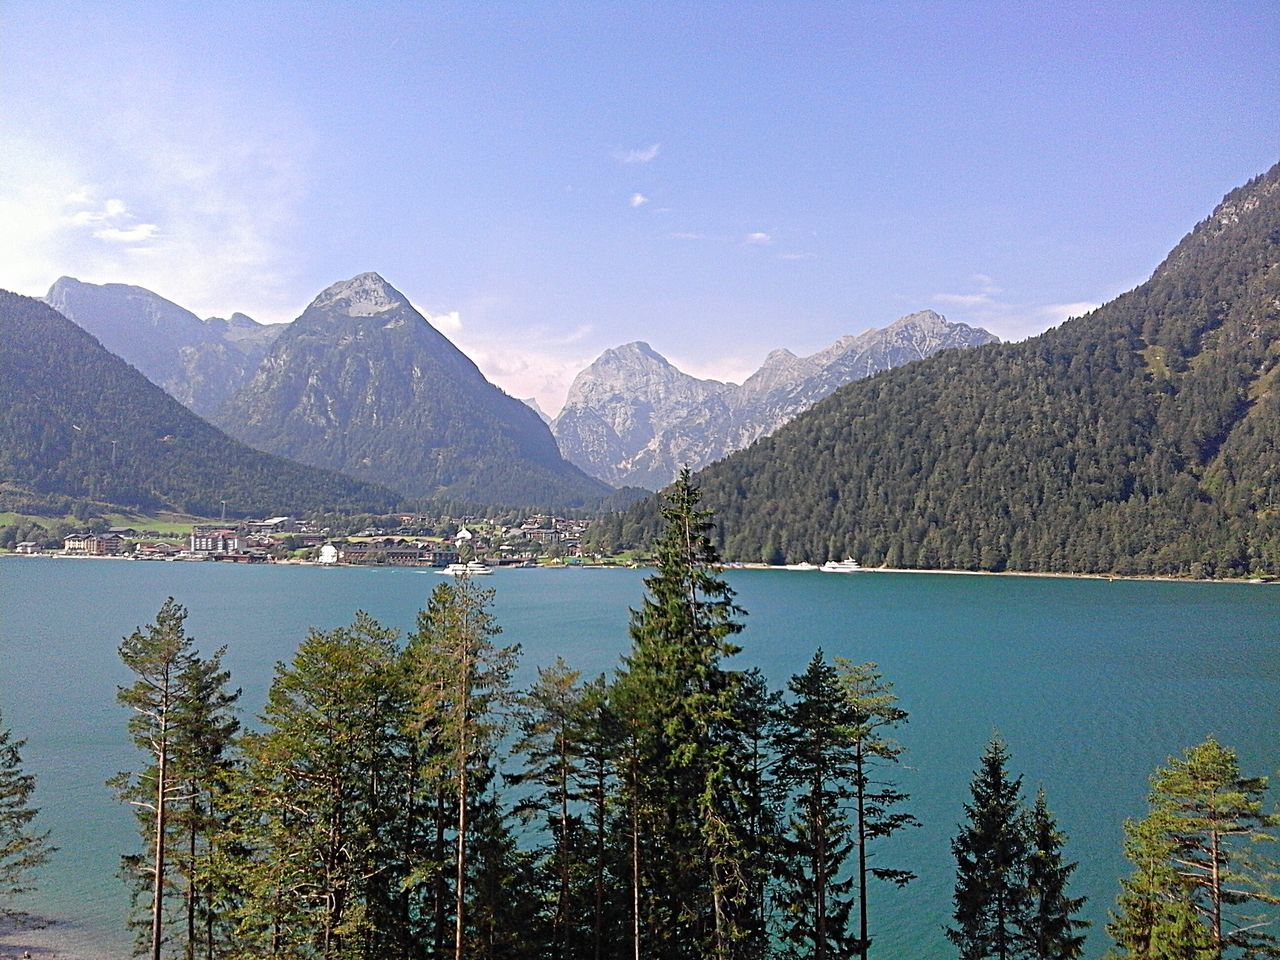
(1056, 313)
(450, 324)
(639, 155)
(135, 234)
(638, 200)
(963, 299)
(727, 369)
(683, 235)
(797, 256)
(758, 239)
(175, 188)
(1008, 318)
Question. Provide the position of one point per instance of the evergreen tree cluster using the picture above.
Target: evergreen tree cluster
(400, 799)
(1143, 438)
(1011, 898)
(1204, 884)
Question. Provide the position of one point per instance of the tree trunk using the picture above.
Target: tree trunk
(1215, 891)
(191, 874)
(861, 785)
(157, 894)
(459, 927)
(635, 866)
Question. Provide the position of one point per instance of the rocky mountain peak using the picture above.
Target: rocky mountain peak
(636, 351)
(921, 318)
(364, 295)
(633, 418)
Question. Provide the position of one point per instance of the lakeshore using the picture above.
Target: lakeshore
(780, 568)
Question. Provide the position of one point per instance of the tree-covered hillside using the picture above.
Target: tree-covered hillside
(78, 422)
(1142, 438)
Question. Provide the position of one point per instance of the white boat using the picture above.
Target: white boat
(801, 566)
(472, 569)
(848, 565)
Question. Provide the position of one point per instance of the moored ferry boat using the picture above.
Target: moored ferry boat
(848, 565)
(473, 568)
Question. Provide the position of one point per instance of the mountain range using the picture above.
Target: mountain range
(1143, 437)
(363, 384)
(80, 425)
(633, 418)
(200, 362)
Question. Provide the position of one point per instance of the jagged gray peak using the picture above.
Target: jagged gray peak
(199, 362)
(631, 418)
(615, 420)
(362, 383)
(363, 295)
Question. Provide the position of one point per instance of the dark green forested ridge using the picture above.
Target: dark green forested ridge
(1143, 438)
(78, 423)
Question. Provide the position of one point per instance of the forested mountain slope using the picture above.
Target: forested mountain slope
(77, 422)
(362, 383)
(1141, 438)
(200, 362)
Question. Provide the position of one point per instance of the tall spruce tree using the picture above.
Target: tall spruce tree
(816, 892)
(606, 840)
(205, 728)
(681, 772)
(874, 713)
(1051, 929)
(23, 848)
(551, 743)
(991, 895)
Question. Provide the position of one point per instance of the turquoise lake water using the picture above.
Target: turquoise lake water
(1091, 683)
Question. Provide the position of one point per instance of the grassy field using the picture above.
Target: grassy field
(169, 523)
(164, 523)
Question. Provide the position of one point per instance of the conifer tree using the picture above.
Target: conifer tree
(991, 896)
(874, 712)
(1202, 880)
(1153, 919)
(551, 722)
(205, 730)
(681, 768)
(160, 656)
(23, 849)
(1051, 930)
(459, 681)
(816, 893)
(606, 840)
(323, 785)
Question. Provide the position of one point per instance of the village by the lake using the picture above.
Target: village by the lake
(418, 541)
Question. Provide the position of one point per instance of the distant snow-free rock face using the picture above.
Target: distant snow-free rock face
(532, 404)
(632, 418)
(362, 383)
(199, 362)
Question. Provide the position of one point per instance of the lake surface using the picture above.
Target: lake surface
(1091, 683)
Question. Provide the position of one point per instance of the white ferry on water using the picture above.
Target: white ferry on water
(472, 569)
(848, 565)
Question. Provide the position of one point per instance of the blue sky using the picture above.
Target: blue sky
(550, 179)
